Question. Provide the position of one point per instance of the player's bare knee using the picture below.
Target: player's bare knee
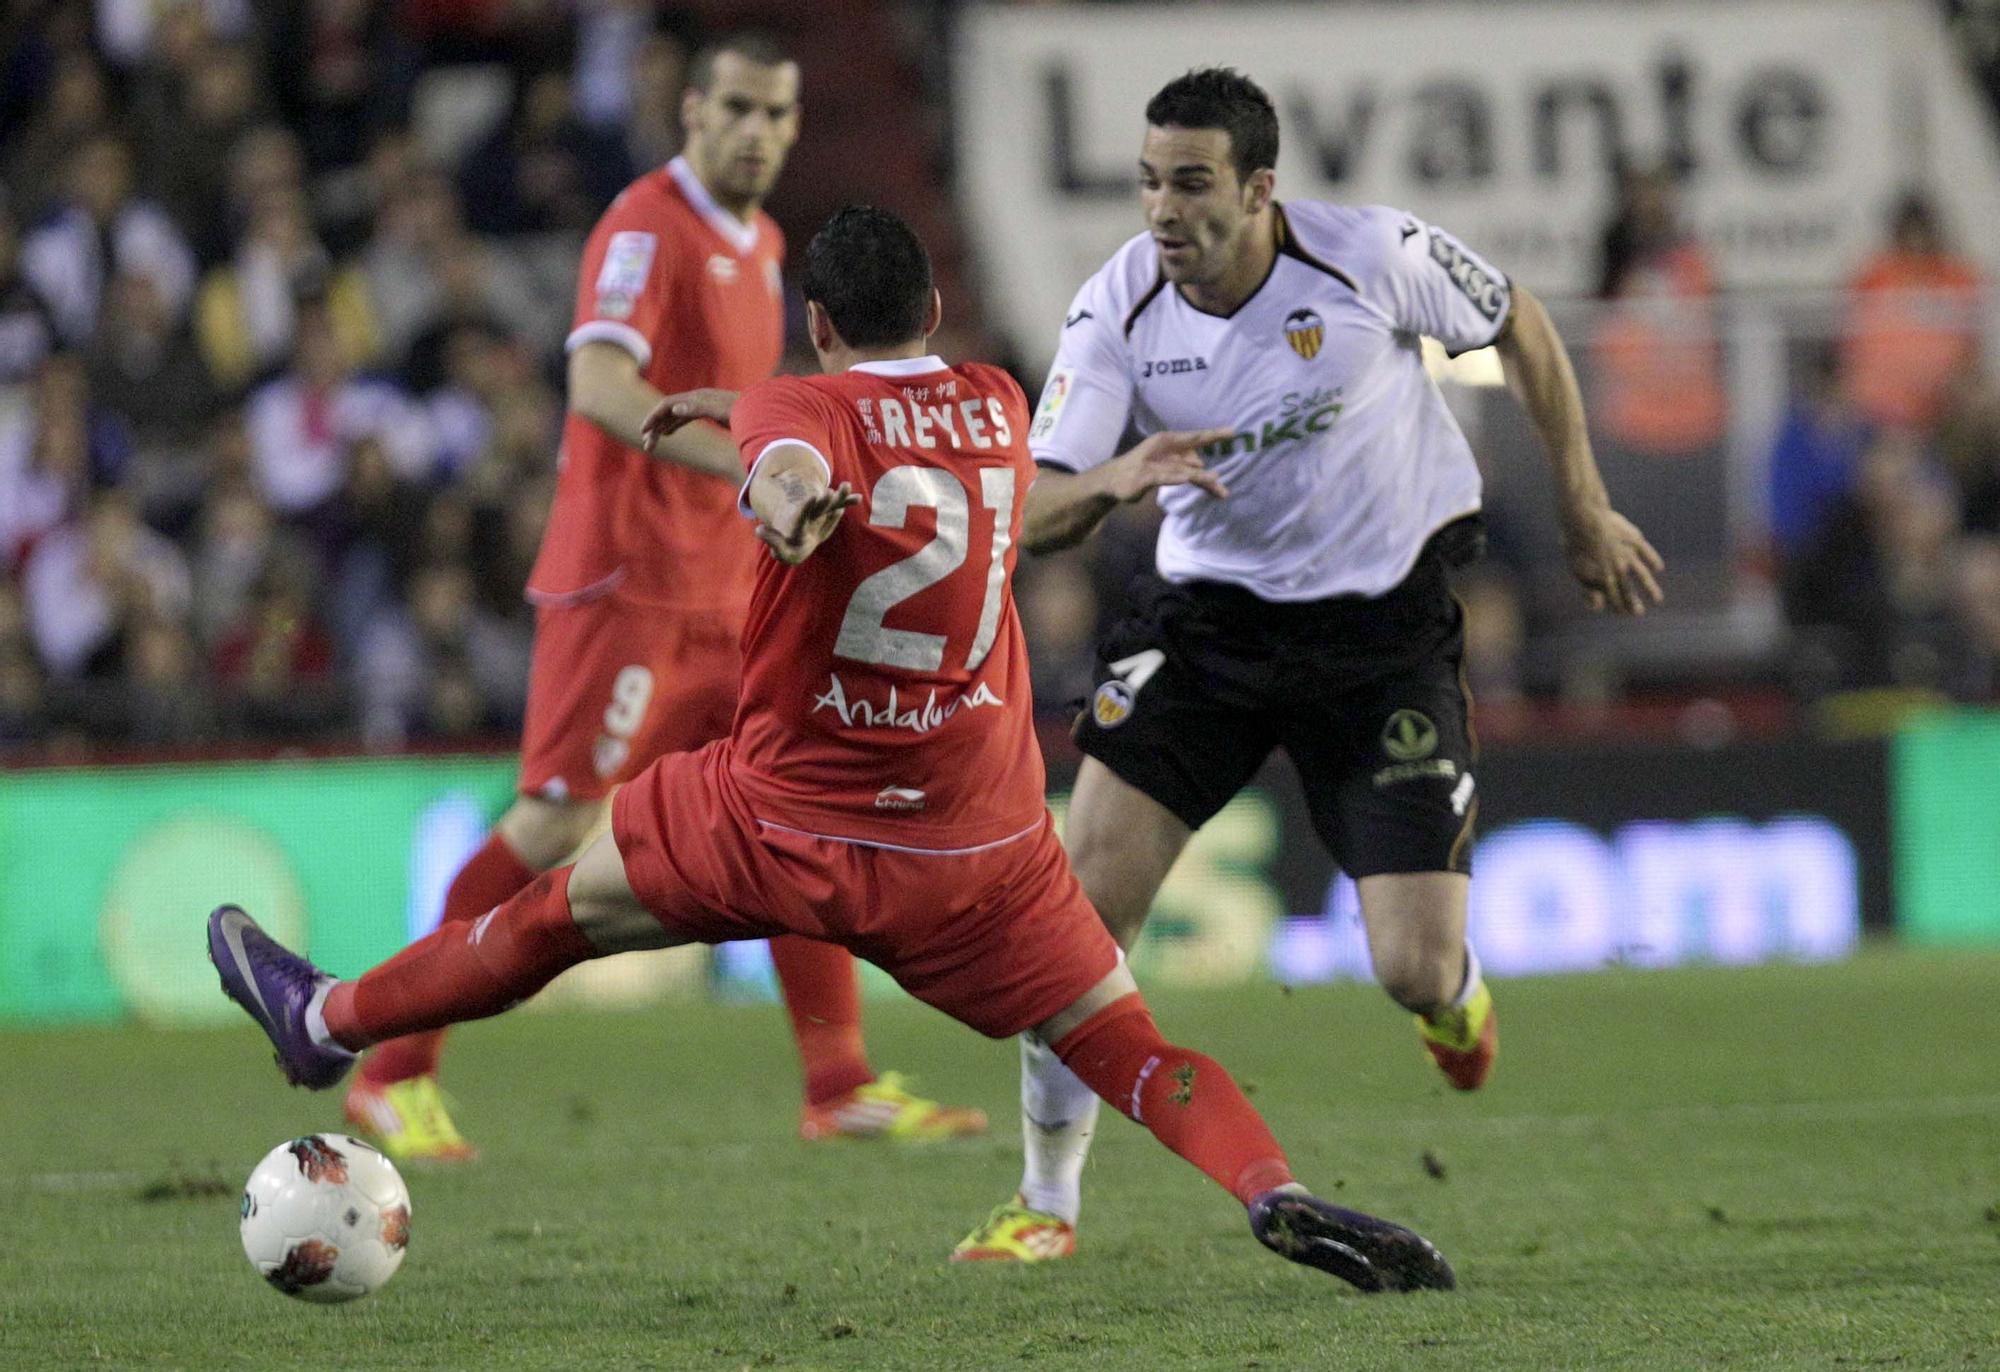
(604, 907)
(1420, 979)
(544, 832)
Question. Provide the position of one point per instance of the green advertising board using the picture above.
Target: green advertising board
(109, 872)
(1946, 812)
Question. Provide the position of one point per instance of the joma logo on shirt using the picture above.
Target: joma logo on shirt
(894, 713)
(1299, 418)
(1173, 366)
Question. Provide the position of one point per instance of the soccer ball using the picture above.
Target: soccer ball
(325, 1218)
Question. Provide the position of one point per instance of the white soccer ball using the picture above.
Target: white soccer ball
(325, 1218)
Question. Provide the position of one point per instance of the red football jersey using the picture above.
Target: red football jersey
(885, 682)
(694, 294)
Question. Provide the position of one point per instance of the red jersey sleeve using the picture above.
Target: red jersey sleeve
(782, 410)
(622, 294)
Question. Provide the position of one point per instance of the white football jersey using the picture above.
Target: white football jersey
(1345, 459)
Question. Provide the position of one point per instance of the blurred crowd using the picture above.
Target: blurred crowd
(1883, 478)
(283, 287)
(1881, 482)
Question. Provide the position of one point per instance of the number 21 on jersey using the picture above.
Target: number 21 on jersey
(863, 635)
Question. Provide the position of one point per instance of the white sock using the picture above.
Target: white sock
(1058, 1116)
(316, 1017)
(1473, 981)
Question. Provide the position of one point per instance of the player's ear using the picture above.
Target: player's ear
(934, 316)
(1259, 189)
(691, 99)
(819, 326)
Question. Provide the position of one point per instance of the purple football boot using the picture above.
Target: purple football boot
(1372, 1254)
(275, 986)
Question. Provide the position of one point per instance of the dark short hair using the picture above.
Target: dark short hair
(1221, 98)
(752, 45)
(869, 271)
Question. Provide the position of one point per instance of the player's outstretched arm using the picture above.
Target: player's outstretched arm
(1063, 507)
(605, 388)
(1606, 551)
(675, 412)
(796, 508)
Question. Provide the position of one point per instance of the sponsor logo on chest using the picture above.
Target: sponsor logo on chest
(897, 712)
(1297, 417)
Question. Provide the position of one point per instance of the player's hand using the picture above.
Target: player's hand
(679, 410)
(1168, 459)
(813, 523)
(1612, 560)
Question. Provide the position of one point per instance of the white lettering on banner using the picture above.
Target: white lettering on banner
(895, 713)
(1797, 121)
(1552, 896)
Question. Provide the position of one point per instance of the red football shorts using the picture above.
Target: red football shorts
(999, 938)
(615, 685)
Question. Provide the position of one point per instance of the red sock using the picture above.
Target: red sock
(1185, 1098)
(822, 989)
(464, 971)
(489, 877)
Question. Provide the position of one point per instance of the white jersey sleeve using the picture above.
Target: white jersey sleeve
(1087, 399)
(1428, 282)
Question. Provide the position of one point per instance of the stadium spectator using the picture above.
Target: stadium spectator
(24, 711)
(146, 374)
(75, 108)
(103, 229)
(189, 118)
(1969, 442)
(652, 128)
(415, 663)
(169, 704)
(1912, 325)
(1813, 458)
(263, 159)
(335, 71)
(91, 581)
(27, 331)
(1655, 355)
(610, 35)
(303, 422)
(543, 170)
(1977, 603)
(1873, 593)
(132, 32)
(424, 267)
(248, 310)
(44, 475)
(468, 370)
(275, 669)
(233, 543)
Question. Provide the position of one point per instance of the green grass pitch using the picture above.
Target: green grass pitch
(1774, 1168)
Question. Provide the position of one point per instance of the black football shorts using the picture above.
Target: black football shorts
(1201, 681)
